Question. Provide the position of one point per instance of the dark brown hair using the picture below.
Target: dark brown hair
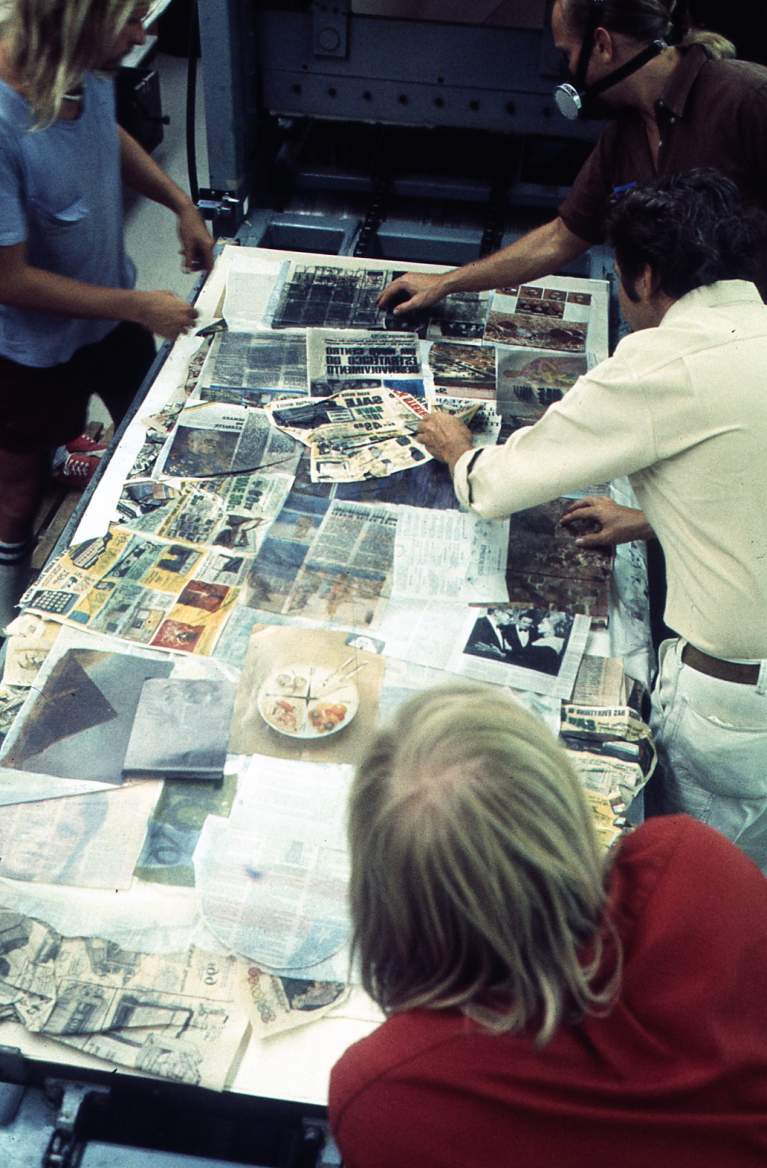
(644, 21)
(690, 228)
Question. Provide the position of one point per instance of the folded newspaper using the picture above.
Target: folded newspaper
(184, 1016)
(356, 434)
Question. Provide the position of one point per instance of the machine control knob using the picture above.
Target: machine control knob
(329, 39)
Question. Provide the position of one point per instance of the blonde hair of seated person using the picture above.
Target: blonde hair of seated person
(477, 880)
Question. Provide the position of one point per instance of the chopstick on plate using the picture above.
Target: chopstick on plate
(347, 664)
(340, 676)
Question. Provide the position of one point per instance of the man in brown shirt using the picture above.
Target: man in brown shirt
(710, 113)
(684, 107)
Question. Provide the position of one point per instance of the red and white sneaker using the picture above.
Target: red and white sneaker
(76, 471)
(84, 444)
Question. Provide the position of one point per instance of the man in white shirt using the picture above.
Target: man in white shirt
(681, 409)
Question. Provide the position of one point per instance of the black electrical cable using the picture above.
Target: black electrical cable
(191, 101)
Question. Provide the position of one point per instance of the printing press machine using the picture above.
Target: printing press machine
(387, 130)
(350, 128)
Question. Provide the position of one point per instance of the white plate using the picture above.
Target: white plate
(295, 701)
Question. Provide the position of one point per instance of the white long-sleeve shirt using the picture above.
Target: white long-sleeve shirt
(682, 410)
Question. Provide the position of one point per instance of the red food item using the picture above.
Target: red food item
(284, 715)
(327, 716)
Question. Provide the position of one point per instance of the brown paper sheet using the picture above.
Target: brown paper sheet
(278, 646)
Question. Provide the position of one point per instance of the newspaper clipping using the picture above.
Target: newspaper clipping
(212, 439)
(137, 588)
(538, 317)
(233, 513)
(179, 1016)
(252, 368)
(356, 434)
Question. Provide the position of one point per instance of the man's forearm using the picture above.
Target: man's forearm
(142, 174)
(46, 291)
(539, 253)
(542, 251)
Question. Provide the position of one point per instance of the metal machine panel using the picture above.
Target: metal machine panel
(229, 70)
(57, 1120)
(413, 73)
(403, 138)
(518, 13)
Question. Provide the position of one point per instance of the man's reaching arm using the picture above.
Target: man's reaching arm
(538, 253)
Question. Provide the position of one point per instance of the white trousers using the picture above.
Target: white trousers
(712, 742)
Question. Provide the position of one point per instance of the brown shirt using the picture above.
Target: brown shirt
(712, 113)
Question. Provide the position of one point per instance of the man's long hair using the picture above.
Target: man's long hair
(691, 229)
(477, 879)
(53, 43)
(645, 21)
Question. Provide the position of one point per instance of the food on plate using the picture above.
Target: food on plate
(327, 716)
(307, 701)
(292, 683)
(285, 715)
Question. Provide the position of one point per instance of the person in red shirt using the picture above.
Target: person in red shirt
(547, 1005)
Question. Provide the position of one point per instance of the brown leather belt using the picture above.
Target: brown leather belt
(715, 667)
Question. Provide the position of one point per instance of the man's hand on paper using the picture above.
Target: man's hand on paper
(445, 437)
(164, 313)
(616, 524)
(412, 293)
